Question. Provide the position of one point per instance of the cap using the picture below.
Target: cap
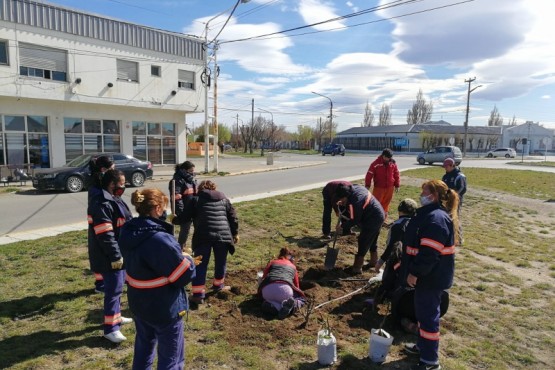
(448, 162)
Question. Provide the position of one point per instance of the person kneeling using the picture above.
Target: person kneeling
(279, 287)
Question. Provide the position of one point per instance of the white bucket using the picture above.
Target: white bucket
(379, 345)
(259, 275)
(327, 350)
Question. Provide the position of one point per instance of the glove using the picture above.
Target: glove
(117, 265)
(235, 239)
(397, 190)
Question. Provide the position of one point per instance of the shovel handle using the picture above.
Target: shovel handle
(336, 233)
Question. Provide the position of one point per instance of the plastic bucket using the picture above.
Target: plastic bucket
(259, 275)
(331, 258)
(327, 349)
(379, 345)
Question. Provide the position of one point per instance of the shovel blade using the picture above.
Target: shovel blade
(331, 258)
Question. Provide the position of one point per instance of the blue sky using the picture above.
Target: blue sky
(379, 57)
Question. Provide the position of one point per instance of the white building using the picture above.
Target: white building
(73, 83)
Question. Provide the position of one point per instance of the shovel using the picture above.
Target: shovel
(331, 253)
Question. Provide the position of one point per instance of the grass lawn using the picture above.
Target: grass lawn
(501, 313)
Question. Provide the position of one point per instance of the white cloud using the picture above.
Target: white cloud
(314, 11)
(546, 97)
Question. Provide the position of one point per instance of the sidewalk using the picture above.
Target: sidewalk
(227, 164)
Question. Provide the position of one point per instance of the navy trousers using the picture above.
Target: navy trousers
(113, 288)
(183, 232)
(427, 308)
(170, 341)
(220, 261)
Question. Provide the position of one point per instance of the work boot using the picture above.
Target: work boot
(356, 268)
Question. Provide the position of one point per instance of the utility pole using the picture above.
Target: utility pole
(331, 112)
(252, 126)
(469, 81)
(237, 134)
(216, 138)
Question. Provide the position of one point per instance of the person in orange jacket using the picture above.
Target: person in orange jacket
(385, 174)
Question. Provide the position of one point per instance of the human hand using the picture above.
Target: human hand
(117, 265)
(378, 265)
(235, 239)
(397, 189)
(411, 280)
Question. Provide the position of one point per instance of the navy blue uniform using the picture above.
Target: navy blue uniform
(185, 189)
(330, 203)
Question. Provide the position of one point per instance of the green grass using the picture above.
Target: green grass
(501, 313)
(535, 163)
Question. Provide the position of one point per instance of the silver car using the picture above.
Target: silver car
(439, 153)
(501, 152)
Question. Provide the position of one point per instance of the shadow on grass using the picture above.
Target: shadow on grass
(27, 307)
(21, 348)
(252, 306)
(307, 242)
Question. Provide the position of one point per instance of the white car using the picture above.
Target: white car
(501, 152)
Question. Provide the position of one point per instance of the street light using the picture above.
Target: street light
(207, 79)
(467, 109)
(331, 111)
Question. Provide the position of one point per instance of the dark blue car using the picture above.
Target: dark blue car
(75, 177)
(333, 149)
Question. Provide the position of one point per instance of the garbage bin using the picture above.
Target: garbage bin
(270, 159)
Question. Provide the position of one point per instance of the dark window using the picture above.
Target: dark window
(156, 71)
(185, 79)
(127, 70)
(4, 52)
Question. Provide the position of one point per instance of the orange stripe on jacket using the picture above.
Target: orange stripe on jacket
(103, 228)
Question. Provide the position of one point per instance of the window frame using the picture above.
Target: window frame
(43, 62)
(124, 72)
(185, 83)
(157, 68)
(6, 52)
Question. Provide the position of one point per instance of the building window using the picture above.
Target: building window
(127, 70)
(185, 79)
(156, 71)
(84, 136)
(4, 52)
(155, 142)
(42, 62)
(24, 141)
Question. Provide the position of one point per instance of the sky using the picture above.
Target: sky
(360, 52)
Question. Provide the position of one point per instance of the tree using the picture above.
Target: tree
(368, 116)
(318, 133)
(224, 134)
(304, 136)
(495, 118)
(385, 115)
(421, 111)
(512, 122)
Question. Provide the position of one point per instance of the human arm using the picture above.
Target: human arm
(369, 176)
(103, 216)
(396, 177)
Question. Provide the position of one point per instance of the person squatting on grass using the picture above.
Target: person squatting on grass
(157, 273)
(185, 189)
(429, 263)
(365, 211)
(107, 213)
(97, 167)
(279, 287)
(385, 174)
(216, 228)
(330, 203)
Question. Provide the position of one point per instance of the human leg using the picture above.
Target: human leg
(98, 282)
(326, 215)
(199, 281)
(384, 196)
(171, 346)
(145, 343)
(220, 264)
(113, 288)
(183, 233)
(427, 308)
(277, 293)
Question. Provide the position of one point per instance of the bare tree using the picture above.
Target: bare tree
(368, 116)
(495, 118)
(512, 122)
(385, 115)
(421, 111)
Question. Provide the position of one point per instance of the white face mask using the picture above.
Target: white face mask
(425, 200)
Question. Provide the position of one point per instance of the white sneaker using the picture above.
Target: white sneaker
(126, 320)
(115, 337)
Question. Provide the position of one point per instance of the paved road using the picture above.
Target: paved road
(29, 215)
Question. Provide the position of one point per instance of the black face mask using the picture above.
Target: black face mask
(164, 216)
(119, 190)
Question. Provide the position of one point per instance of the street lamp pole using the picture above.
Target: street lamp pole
(469, 81)
(267, 111)
(331, 112)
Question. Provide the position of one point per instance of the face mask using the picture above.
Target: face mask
(425, 200)
(163, 216)
(118, 191)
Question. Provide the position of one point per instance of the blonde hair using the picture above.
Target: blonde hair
(207, 184)
(146, 200)
(448, 198)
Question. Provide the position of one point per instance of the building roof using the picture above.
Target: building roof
(438, 127)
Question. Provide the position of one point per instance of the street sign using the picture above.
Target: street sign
(401, 142)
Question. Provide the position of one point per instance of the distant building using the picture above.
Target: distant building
(75, 83)
(407, 138)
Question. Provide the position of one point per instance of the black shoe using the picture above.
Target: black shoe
(423, 366)
(286, 308)
(269, 309)
(411, 348)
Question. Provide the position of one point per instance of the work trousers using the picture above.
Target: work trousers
(427, 308)
(183, 233)
(170, 341)
(384, 196)
(113, 288)
(220, 261)
(369, 233)
(98, 282)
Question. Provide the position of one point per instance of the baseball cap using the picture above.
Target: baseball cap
(448, 162)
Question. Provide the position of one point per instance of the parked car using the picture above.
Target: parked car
(501, 152)
(334, 149)
(74, 176)
(439, 153)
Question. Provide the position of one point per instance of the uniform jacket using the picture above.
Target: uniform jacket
(185, 189)
(106, 214)
(157, 271)
(214, 218)
(430, 248)
(362, 208)
(456, 180)
(395, 235)
(328, 193)
(385, 175)
(281, 270)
